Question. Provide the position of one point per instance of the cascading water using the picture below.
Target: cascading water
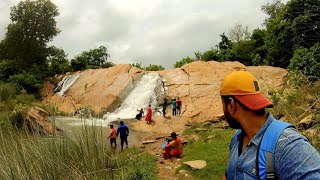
(66, 83)
(143, 94)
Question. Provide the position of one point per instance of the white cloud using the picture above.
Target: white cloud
(151, 32)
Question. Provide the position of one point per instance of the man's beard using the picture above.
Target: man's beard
(233, 123)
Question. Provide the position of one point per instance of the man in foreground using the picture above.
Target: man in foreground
(124, 132)
(244, 109)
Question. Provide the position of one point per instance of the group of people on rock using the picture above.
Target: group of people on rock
(176, 110)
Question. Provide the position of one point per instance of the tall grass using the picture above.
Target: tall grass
(82, 156)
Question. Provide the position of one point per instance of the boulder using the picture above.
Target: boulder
(197, 164)
(37, 120)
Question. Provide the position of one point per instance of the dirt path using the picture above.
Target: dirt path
(158, 130)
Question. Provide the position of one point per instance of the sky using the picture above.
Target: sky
(146, 31)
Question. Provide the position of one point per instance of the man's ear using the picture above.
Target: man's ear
(231, 105)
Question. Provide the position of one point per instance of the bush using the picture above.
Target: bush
(183, 61)
(154, 67)
(27, 81)
(7, 92)
(307, 61)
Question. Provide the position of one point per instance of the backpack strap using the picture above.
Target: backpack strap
(267, 146)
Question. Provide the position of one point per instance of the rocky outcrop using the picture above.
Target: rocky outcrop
(96, 89)
(197, 84)
(36, 119)
(197, 164)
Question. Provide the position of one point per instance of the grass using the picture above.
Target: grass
(82, 156)
(215, 151)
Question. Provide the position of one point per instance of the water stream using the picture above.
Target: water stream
(65, 84)
(143, 94)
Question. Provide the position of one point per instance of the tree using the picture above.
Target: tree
(154, 67)
(94, 58)
(211, 55)
(225, 43)
(289, 27)
(33, 26)
(138, 65)
(58, 62)
(183, 61)
(239, 33)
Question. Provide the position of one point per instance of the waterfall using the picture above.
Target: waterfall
(65, 84)
(143, 94)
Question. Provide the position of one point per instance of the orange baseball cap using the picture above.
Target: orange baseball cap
(244, 86)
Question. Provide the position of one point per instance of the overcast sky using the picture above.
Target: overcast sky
(146, 31)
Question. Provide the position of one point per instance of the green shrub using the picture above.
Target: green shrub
(307, 61)
(7, 92)
(183, 61)
(27, 81)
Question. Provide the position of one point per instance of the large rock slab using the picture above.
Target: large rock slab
(96, 89)
(197, 84)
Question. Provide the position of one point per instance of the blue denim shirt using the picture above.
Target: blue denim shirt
(295, 158)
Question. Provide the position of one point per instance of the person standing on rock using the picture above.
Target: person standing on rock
(173, 148)
(124, 133)
(290, 156)
(113, 136)
(179, 104)
(148, 117)
(140, 114)
(164, 106)
(174, 107)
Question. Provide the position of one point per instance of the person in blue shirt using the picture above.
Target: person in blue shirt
(124, 133)
(174, 107)
(244, 108)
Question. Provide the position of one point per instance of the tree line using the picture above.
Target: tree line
(290, 38)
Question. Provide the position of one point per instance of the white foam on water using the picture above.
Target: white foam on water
(141, 96)
(78, 121)
(66, 83)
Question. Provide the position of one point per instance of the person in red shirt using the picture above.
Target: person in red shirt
(113, 136)
(179, 104)
(173, 148)
(149, 115)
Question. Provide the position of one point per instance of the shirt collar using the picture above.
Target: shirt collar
(257, 138)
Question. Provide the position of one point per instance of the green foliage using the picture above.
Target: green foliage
(58, 61)
(33, 26)
(27, 81)
(183, 61)
(154, 67)
(94, 58)
(138, 65)
(7, 92)
(289, 27)
(211, 55)
(225, 42)
(307, 62)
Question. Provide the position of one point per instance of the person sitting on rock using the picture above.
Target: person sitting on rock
(140, 114)
(173, 148)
